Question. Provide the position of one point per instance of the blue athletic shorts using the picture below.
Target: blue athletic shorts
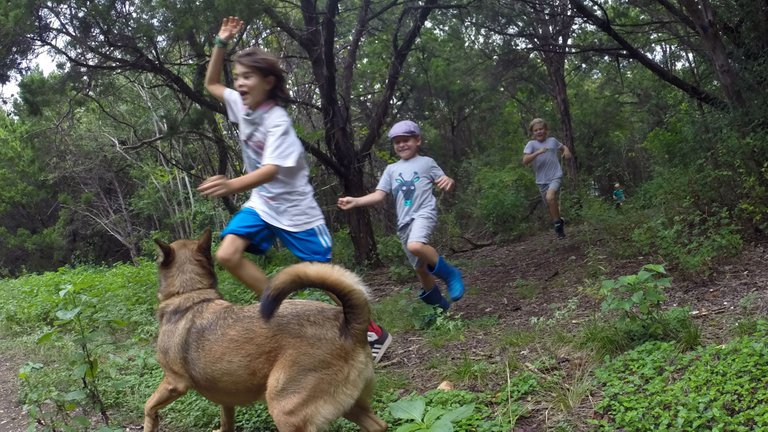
(313, 244)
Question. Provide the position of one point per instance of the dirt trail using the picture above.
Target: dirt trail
(539, 277)
(12, 417)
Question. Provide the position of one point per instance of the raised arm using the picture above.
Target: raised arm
(230, 26)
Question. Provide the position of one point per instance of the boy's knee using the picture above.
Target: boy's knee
(551, 198)
(415, 247)
(226, 258)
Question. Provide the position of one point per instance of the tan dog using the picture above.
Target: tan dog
(309, 360)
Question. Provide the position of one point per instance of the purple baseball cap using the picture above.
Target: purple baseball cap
(404, 128)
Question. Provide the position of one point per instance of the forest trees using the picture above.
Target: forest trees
(124, 131)
(163, 45)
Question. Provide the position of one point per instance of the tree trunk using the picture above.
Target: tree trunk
(557, 75)
(359, 220)
(702, 15)
(554, 24)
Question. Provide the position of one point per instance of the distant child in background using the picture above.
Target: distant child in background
(410, 181)
(618, 195)
(542, 152)
(282, 202)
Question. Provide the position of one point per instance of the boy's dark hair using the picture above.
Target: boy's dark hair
(267, 65)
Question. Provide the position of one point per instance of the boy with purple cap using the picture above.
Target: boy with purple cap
(410, 181)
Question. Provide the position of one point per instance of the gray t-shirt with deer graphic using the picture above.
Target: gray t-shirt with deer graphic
(410, 183)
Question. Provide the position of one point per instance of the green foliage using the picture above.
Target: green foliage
(638, 297)
(343, 250)
(402, 311)
(691, 240)
(84, 315)
(654, 387)
(638, 301)
(754, 205)
(440, 410)
(500, 198)
(517, 386)
(392, 255)
(421, 420)
(29, 239)
(444, 327)
(468, 371)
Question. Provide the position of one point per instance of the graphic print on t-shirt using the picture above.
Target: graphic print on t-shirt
(407, 188)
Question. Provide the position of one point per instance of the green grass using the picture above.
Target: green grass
(547, 366)
(526, 290)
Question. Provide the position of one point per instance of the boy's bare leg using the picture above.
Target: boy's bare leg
(426, 278)
(552, 205)
(230, 256)
(427, 256)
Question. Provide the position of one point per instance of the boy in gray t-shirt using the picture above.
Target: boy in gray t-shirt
(410, 181)
(542, 153)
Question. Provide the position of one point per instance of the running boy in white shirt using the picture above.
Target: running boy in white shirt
(282, 203)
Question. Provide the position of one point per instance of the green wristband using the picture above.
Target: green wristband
(219, 42)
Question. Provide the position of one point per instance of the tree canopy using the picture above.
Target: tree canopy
(108, 150)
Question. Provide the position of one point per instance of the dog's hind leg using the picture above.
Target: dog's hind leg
(291, 422)
(362, 415)
(227, 419)
(166, 393)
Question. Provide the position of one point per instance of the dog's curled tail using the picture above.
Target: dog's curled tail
(342, 283)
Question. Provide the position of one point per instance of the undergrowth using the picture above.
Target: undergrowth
(643, 363)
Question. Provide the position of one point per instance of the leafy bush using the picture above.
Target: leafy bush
(500, 198)
(638, 301)
(692, 241)
(654, 387)
(638, 297)
(432, 420)
(478, 412)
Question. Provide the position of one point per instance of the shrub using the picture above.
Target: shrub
(654, 387)
(500, 198)
(638, 301)
(691, 241)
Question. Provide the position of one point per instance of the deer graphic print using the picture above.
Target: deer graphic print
(407, 188)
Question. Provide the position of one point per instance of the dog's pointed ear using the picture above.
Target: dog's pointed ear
(165, 252)
(204, 243)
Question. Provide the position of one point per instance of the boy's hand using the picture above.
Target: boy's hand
(345, 203)
(215, 187)
(230, 27)
(543, 150)
(444, 183)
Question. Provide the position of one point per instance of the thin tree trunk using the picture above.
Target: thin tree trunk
(359, 220)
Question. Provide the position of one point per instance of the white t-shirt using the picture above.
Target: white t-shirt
(267, 137)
